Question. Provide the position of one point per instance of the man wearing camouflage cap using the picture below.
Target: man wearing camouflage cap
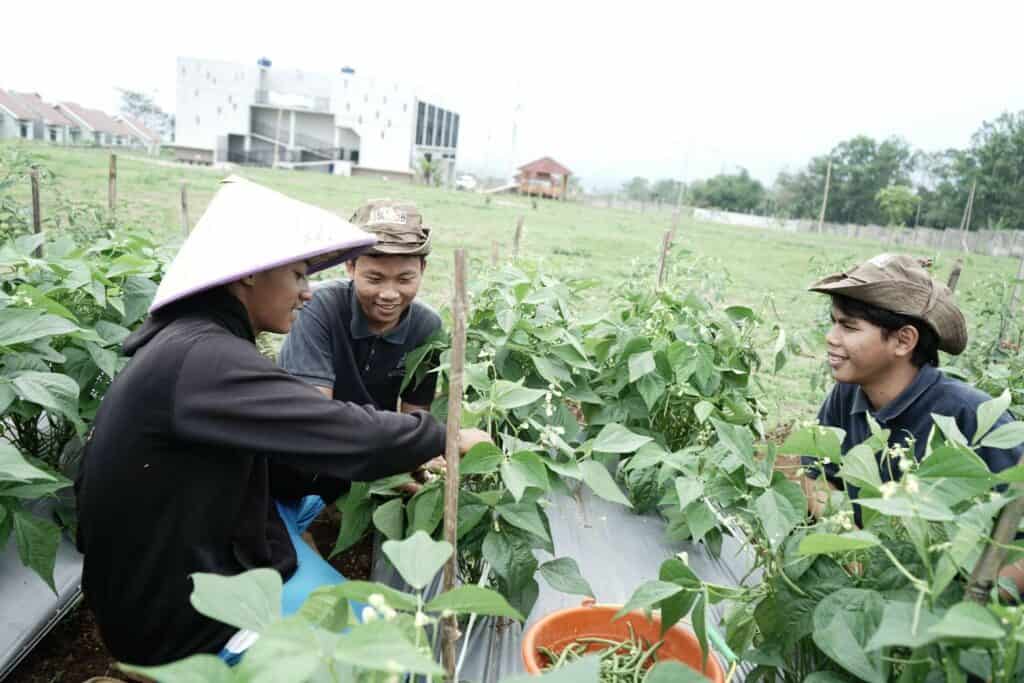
(890, 320)
(352, 339)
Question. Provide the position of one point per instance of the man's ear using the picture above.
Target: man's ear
(350, 268)
(248, 280)
(907, 338)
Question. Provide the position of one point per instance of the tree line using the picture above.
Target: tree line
(883, 182)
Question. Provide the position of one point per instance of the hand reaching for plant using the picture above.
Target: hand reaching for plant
(471, 437)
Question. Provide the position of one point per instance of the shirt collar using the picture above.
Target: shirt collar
(927, 375)
(359, 327)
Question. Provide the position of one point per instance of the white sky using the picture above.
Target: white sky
(659, 89)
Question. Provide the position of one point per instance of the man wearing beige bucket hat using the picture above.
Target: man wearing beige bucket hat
(890, 319)
(206, 457)
(352, 339)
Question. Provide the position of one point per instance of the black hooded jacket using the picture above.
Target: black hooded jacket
(192, 441)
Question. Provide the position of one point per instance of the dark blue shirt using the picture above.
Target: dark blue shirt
(331, 345)
(908, 416)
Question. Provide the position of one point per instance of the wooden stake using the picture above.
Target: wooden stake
(517, 238)
(965, 222)
(666, 241)
(184, 208)
(986, 572)
(954, 275)
(449, 632)
(37, 219)
(112, 185)
(824, 199)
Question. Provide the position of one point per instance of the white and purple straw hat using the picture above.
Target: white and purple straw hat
(248, 228)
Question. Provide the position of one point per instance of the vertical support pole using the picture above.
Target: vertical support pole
(518, 237)
(965, 222)
(954, 275)
(112, 186)
(666, 241)
(824, 198)
(37, 219)
(449, 632)
(184, 208)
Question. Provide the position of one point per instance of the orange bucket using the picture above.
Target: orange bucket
(558, 629)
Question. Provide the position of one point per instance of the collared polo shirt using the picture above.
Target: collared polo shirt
(908, 416)
(331, 345)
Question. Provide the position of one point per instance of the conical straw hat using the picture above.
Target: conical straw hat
(248, 228)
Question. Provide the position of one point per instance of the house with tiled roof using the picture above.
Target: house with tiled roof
(97, 127)
(140, 133)
(16, 119)
(544, 177)
(50, 124)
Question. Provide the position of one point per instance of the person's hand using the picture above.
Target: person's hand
(471, 437)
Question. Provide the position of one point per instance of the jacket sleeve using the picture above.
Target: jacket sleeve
(228, 395)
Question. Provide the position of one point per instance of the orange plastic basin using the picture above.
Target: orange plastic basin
(558, 629)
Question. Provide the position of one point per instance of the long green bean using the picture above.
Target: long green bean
(621, 661)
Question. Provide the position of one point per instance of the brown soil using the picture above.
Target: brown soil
(73, 651)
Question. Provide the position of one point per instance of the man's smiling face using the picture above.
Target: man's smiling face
(385, 287)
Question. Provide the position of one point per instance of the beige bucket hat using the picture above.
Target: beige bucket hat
(899, 283)
(397, 225)
(248, 228)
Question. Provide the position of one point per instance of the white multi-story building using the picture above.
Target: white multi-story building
(342, 122)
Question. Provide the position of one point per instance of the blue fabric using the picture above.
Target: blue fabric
(909, 416)
(312, 571)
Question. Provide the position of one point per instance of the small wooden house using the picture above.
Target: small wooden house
(544, 177)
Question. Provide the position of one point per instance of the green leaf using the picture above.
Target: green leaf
(1007, 436)
(128, 263)
(37, 540)
(647, 596)
(7, 395)
(989, 413)
(251, 600)
(425, 510)
(194, 669)
(511, 558)
(1012, 475)
(551, 371)
(389, 519)
(524, 516)
(469, 516)
(669, 671)
(586, 670)
(817, 441)
(860, 468)
(898, 627)
(699, 618)
(950, 429)
(382, 646)
(105, 359)
(614, 438)
(356, 516)
(651, 388)
(138, 294)
(417, 558)
(49, 390)
(18, 326)
(473, 600)
(563, 574)
(738, 440)
(700, 519)
(641, 364)
(13, 467)
(702, 411)
(826, 544)
(524, 470)
(904, 506)
(482, 458)
(508, 395)
(674, 608)
(843, 624)
(360, 591)
(968, 621)
(777, 515)
(601, 483)
(323, 608)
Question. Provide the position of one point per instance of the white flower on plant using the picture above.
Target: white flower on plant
(912, 484)
(377, 601)
(368, 614)
(888, 489)
(422, 620)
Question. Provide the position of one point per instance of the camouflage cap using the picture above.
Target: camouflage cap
(900, 283)
(397, 225)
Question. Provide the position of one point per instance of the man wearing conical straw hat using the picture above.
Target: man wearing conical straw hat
(200, 438)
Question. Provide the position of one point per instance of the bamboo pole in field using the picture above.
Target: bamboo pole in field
(965, 222)
(954, 275)
(184, 208)
(666, 242)
(986, 572)
(37, 218)
(516, 240)
(824, 198)
(112, 185)
(449, 632)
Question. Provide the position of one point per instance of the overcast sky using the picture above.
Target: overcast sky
(611, 90)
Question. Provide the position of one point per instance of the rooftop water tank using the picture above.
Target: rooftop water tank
(347, 70)
(264, 62)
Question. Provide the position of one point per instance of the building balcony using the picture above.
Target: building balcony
(278, 100)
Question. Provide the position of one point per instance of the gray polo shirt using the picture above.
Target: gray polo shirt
(331, 345)
(910, 414)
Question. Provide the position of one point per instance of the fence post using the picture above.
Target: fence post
(37, 219)
(824, 198)
(184, 208)
(666, 241)
(449, 631)
(965, 222)
(517, 238)
(112, 185)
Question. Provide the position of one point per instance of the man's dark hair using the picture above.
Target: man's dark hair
(927, 350)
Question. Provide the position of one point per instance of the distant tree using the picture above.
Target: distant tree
(666, 191)
(996, 160)
(732, 192)
(141, 106)
(638, 189)
(898, 203)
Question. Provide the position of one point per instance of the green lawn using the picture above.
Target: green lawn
(568, 238)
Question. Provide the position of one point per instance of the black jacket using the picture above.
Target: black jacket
(191, 443)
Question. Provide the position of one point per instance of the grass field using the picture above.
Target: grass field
(569, 239)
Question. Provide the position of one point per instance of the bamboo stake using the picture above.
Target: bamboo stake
(184, 208)
(112, 185)
(824, 198)
(965, 222)
(666, 241)
(517, 238)
(37, 219)
(986, 572)
(449, 632)
(954, 275)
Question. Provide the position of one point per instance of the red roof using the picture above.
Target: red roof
(545, 165)
(137, 129)
(93, 118)
(34, 103)
(15, 106)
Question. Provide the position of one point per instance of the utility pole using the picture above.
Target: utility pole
(824, 199)
(965, 222)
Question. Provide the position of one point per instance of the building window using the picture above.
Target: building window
(438, 125)
(428, 139)
(234, 107)
(348, 106)
(384, 100)
(53, 135)
(382, 135)
(455, 130)
(360, 119)
(24, 130)
(389, 123)
(421, 116)
(447, 129)
(377, 114)
(197, 119)
(355, 156)
(197, 92)
(405, 107)
(220, 110)
(182, 71)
